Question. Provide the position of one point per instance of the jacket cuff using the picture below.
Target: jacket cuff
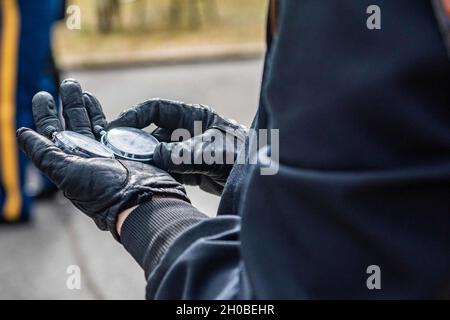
(151, 228)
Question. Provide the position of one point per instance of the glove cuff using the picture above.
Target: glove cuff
(139, 200)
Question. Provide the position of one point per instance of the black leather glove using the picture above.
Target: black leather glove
(221, 138)
(100, 187)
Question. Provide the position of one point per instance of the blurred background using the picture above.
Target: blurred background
(197, 51)
(137, 30)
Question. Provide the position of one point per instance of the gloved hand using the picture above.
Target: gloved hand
(101, 188)
(220, 139)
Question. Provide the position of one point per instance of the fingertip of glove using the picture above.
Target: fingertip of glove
(87, 95)
(28, 136)
(20, 131)
(161, 156)
(70, 81)
(88, 100)
(70, 88)
(22, 135)
(118, 122)
(41, 96)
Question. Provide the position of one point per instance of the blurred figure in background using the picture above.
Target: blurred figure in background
(49, 81)
(25, 68)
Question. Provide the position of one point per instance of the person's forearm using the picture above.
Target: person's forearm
(184, 253)
(148, 230)
(124, 215)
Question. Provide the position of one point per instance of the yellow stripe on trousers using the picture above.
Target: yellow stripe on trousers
(8, 83)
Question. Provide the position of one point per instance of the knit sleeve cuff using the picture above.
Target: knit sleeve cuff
(151, 228)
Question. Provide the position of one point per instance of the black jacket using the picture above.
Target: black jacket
(364, 176)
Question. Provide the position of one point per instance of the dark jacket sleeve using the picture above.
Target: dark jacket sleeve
(184, 253)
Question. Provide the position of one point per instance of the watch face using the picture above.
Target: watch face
(131, 143)
(77, 144)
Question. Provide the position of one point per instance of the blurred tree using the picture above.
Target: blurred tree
(181, 13)
(108, 15)
(212, 12)
(194, 9)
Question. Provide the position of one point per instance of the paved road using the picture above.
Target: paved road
(34, 257)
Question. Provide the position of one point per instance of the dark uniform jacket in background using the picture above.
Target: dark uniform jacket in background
(364, 179)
